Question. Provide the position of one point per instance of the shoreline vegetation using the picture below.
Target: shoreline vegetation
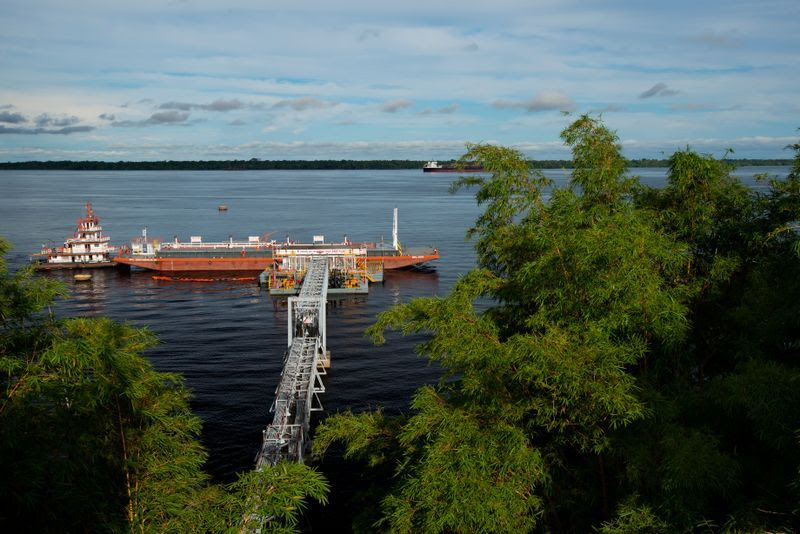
(256, 164)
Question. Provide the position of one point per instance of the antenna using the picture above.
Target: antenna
(394, 230)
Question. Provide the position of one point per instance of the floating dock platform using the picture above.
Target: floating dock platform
(350, 271)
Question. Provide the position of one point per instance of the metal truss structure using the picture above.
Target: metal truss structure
(288, 436)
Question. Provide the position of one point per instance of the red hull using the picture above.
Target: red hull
(248, 265)
(242, 265)
(398, 262)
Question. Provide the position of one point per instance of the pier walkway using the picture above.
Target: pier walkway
(288, 436)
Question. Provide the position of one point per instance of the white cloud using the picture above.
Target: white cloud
(245, 58)
(369, 34)
(12, 118)
(726, 39)
(46, 119)
(659, 89)
(610, 108)
(304, 103)
(544, 101)
(394, 106)
(156, 119)
(219, 104)
(66, 130)
(715, 144)
(445, 110)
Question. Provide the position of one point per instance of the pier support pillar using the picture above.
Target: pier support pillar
(324, 361)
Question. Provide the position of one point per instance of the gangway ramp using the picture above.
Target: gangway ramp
(287, 437)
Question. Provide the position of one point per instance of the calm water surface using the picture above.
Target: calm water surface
(228, 338)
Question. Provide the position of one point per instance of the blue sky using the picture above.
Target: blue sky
(152, 80)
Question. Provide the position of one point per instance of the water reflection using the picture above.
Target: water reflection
(88, 295)
(426, 279)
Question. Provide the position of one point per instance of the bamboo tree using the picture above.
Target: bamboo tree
(633, 364)
(93, 438)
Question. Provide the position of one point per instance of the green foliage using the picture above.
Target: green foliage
(693, 469)
(369, 436)
(696, 185)
(634, 519)
(23, 295)
(511, 190)
(93, 438)
(783, 208)
(765, 394)
(471, 472)
(97, 434)
(597, 160)
(271, 497)
(635, 350)
(705, 207)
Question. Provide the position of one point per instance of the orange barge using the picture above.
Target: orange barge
(255, 255)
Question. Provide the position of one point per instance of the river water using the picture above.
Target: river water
(228, 338)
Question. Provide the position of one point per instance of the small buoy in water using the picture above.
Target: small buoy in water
(222, 207)
(82, 277)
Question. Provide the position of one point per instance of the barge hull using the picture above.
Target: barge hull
(238, 265)
(398, 262)
(250, 265)
(44, 266)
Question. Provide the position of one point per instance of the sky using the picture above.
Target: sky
(350, 79)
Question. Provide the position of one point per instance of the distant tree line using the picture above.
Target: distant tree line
(328, 164)
(215, 165)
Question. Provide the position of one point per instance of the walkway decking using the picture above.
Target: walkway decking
(288, 436)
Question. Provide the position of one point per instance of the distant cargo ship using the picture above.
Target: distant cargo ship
(87, 247)
(255, 255)
(434, 166)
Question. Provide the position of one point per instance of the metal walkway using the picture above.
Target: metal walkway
(288, 436)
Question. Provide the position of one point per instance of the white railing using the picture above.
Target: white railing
(287, 437)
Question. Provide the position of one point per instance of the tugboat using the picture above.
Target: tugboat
(87, 247)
